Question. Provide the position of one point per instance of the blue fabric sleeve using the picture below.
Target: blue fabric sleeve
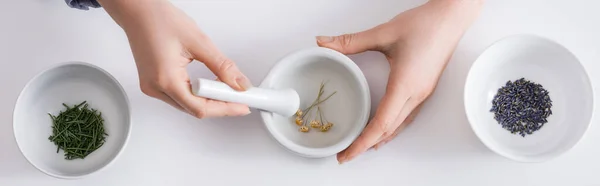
(83, 4)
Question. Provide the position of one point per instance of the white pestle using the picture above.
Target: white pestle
(284, 102)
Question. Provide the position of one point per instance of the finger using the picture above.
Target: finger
(225, 69)
(152, 91)
(202, 107)
(352, 43)
(382, 124)
(165, 98)
(408, 109)
(400, 128)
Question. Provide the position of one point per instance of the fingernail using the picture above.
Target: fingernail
(324, 39)
(249, 112)
(243, 83)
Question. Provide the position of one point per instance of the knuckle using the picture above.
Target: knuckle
(425, 92)
(226, 65)
(382, 126)
(199, 35)
(408, 120)
(429, 89)
(155, 85)
(200, 113)
(346, 40)
(396, 86)
(147, 90)
(364, 146)
(386, 134)
(162, 81)
(187, 55)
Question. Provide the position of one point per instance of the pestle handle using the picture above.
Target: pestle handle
(284, 102)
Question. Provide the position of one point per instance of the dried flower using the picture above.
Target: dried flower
(326, 127)
(315, 124)
(522, 107)
(317, 120)
(304, 129)
(299, 121)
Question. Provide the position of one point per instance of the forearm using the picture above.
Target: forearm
(460, 13)
(452, 18)
(444, 22)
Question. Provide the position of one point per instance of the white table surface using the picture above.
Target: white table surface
(170, 148)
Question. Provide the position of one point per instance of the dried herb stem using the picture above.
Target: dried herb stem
(321, 92)
(77, 130)
(319, 102)
(303, 116)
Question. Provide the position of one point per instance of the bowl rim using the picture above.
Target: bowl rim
(354, 70)
(508, 155)
(69, 63)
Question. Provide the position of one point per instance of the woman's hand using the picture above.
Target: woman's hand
(164, 40)
(418, 44)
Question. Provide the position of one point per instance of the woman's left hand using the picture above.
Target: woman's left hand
(418, 44)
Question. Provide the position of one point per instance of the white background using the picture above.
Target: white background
(170, 148)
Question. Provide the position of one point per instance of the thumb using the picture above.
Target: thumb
(350, 43)
(224, 68)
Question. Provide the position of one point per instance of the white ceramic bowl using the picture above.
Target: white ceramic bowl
(348, 109)
(542, 61)
(70, 83)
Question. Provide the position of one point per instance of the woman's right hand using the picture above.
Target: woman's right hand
(164, 40)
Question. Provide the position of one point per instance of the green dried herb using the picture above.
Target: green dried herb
(78, 131)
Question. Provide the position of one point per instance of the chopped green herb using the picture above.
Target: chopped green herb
(78, 131)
